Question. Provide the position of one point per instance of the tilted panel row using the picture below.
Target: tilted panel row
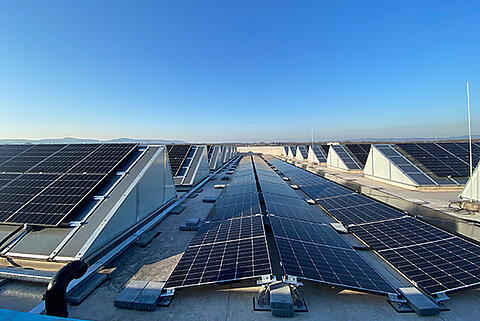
(231, 245)
(435, 260)
(317, 252)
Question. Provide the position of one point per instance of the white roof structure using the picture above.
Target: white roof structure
(340, 158)
(471, 191)
(316, 154)
(129, 195)
(302, 152)
(389, 164)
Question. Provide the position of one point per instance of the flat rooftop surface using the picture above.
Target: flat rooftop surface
(228, 301)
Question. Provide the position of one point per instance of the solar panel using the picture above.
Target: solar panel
(26, 159)
(57, 177)
(230, 245)
(292, 208)
(238, 205)
(435, 260)
(365, 213)
(177, 155)
(55, 202)
(346, 157)
(316, 251)
(103, 159)
(247, 186)
(303, 150)
(332, 265)
(322, 234)
(64, 159)
(400, 232)
(320, 153)
(440, 266)
(344, 201)
(20, 191)
(360, 151)
(438, 159)
(278, 188)
(220, 262)
(228, 230)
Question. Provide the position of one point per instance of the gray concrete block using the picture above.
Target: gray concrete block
(192, 224)
(127, 297)
(209, 199)
(144, 239)
(80, 293)
(419, 302)
(281, 303)
(149, 297)
(177, 210)
(194, 221)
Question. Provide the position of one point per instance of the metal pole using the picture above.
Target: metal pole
(469, 129)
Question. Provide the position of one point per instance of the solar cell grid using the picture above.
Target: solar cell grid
(320, 153)
(344, 201)
(55, 202)
(438, 266)
(330, 265)
(400, 232)
(292, 208)
(360, 151)
(278, 188)
(229, 230)
(176, 155)
(345, 156)
(103, 159)
(26, 159)
(436, 159)
(64, 159)
(239, 205)
(219, 262)
(364, 214)
(307, 232)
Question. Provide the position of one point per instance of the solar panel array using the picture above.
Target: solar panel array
(406, 165)
(177, 155)
(42, 184)
(360, 151)
(309, 248)
(435, 260)
(346, 157)
(319, 153)
(303, 151)
(231, 244)
(443, 159)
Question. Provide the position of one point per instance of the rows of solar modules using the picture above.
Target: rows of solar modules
(359, 151)
(177, 155)
(320, 153)
(435, 260)
(443, 159)
(42, 184)
(308, 247)
(346, 157)
(303, 151)
(231, 244)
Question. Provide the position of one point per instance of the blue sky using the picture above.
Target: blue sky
(211, 71)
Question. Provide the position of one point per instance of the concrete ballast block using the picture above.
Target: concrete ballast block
(419, 302)
(127, 297)
(281, 303)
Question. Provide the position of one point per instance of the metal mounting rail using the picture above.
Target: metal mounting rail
(40, 308)
(15, 273)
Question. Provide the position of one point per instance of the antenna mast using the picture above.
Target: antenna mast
(469, 128)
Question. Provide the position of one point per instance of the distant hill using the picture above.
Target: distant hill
(70, 140)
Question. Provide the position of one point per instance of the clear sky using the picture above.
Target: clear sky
(216, 71)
